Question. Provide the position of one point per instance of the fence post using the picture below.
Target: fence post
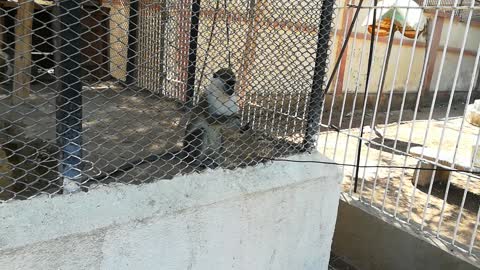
(132, 43)
(192, 53)
(23, 51)
(69, 99)
(321, 60)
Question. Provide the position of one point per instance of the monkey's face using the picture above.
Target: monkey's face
(226, 78)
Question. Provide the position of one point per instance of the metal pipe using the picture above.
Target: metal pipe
(321, 64)
(379, 100)
(462, 125)
(69, 99)
(387, 61)
(365, 96)
(132, 74)
(403, 104)
(192, 53)
(365, 104)
(347, 35)
(356, 85)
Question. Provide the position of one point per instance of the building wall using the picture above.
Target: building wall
(273, 216)
(401, 75)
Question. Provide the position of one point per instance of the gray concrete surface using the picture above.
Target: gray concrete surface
(273, 216)
(374, 243)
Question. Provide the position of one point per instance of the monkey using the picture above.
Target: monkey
(202, 144)
(6, 68)
(217, 107)
(6, 72)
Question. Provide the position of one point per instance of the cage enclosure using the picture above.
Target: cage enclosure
(95, 92)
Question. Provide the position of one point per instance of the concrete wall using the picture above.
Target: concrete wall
(376, 243)
(273, 216)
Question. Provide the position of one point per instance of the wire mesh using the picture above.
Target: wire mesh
(133, 91)
(95, 92)
(417, 111)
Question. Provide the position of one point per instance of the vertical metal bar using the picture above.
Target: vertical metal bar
(365, 96)
(425, 61)
(474, 233)
(379, 99)
(355, 97)
(321, 64)
(432, 108)
(475, 152)
(69, 99)
(412, 55)
(462, 125)
(387, 61)
(132, 43)
(282, 113)
(389, 107)
(156, 37)
(287, 126)
(336, 68)
(139, 60)
(192, 53)
(371, 59)
(147, 61)
(355, 94)
(166, 60)
(150, 18)
(383, 78)
(163, 29)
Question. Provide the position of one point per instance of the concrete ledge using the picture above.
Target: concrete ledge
(250, 218)
(379, 243)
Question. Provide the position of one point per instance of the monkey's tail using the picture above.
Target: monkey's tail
(189, 153)
(129, 165)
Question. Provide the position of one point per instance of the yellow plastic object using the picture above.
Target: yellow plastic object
(400, 12)
(384, 30)
(410, 33)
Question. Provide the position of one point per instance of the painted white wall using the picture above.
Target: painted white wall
(274, 216)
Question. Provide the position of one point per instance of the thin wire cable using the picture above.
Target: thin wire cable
(209, 44)
(344, 47)
(369, 69)
(371, 166)
(210, 38)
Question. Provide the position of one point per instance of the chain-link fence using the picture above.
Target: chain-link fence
(95, 92)
(132, 91)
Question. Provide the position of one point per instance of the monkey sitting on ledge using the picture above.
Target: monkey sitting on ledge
(217, 108)
(202, 146)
